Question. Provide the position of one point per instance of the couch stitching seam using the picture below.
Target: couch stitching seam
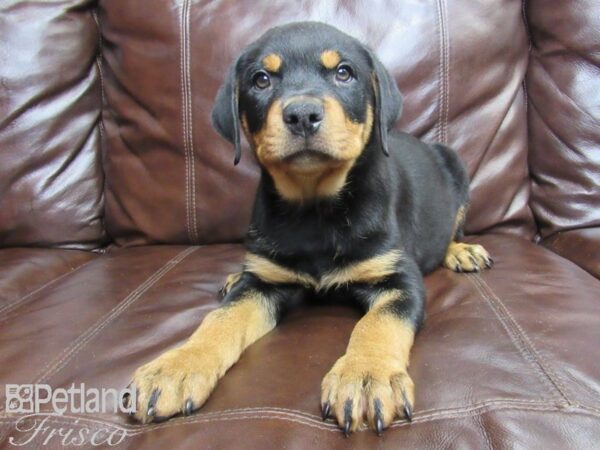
(54, 366)
(316, 422)
(189, 112)
(537, 358)
(16, 303)
(515, 338)
(184, 120)
(443, 72)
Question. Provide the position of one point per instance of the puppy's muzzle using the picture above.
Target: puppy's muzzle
(303, 117)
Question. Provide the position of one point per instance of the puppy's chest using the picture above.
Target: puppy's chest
(320, 261)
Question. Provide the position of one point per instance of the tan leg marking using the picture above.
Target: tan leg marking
(180, 380)
(461, 257)
(459, 220)
(230, 281)
(371, 379)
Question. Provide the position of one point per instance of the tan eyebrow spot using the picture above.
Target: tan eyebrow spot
(272, 62)
(330, 59)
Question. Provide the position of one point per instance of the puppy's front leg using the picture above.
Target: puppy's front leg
(371, 379)
(180, 380)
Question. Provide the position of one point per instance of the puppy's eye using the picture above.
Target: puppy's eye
(344, 73)
(262, 80)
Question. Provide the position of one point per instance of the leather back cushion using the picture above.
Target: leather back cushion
(459, 63)
(563, 86)
(50, 100)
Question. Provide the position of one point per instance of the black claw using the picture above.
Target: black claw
(152, 402)
(347, 417)
(407, 407)
(408, 412)
(325, 410)
(347, 427)
(189, 407)
(458, 268)
(378, 419)
(379, 426)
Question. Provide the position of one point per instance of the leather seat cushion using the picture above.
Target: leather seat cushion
(503, 359)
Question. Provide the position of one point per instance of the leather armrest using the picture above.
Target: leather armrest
(582, 246)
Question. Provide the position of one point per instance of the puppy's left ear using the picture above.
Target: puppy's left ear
(225, 114)
(387, 99)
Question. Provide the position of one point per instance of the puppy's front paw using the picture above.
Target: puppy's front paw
(361, 386)
(462, 257)
(230, 281)
(178, 381)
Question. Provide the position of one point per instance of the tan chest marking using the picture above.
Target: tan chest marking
(370, 270)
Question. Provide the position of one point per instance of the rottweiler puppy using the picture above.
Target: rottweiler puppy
(346, 210)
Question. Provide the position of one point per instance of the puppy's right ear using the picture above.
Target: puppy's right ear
(225, 114)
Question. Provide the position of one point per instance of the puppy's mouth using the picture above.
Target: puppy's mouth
(309, 160)
(307, 156)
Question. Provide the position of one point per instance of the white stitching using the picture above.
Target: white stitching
(190, 126)
(443, 72)
(54, 366)
(515, 338)
(539, 361)
(316, 423)
(182, 85)
(12, 305)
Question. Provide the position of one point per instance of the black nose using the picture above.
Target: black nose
(303, 118)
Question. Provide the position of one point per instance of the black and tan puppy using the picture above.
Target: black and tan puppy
(346, 210)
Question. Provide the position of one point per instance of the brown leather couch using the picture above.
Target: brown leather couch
(121, 214)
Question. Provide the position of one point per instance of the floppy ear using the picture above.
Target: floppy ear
(387, 98)
(225, 113)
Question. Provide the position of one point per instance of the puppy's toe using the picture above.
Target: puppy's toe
(461, 257)
(175, 382)
(363, 388)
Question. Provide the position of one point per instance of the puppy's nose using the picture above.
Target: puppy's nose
(303, 118)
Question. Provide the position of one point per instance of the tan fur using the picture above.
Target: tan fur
(368, 271)
(192, 370)
(343, 139)
(270, 272)
(272, 62)
(462, 257)
(231, 281)
(330, 59)
(374, 367)
(459, 220)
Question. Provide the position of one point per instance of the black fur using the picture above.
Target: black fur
(407, 201)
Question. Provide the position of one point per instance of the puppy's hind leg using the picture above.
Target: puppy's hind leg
(461, 257)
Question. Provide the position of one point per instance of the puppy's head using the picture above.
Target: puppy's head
(309, 98)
